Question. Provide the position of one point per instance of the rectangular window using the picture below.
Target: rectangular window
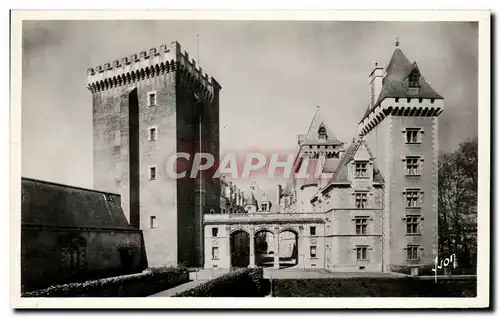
(313, 251)
(152, 173)
(152, 222)
(361, 225)
(412, 135)
(264, 207)
(152, 134)
(412, 252)
(412, 198)
(118, 138)
(152, 99)
(412, 166)
(215, 252)
(361, 170)
(215, 232)
(361, 200)
(312, 230)
(361, 253)
(412, 224)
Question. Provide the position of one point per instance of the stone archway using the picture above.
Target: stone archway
(239, 241)
(288, 248)
(264, 245)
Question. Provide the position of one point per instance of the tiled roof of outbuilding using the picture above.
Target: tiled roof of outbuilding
(51, 204)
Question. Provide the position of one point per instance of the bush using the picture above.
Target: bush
(150, 281)
(245, 282)
(373, 287)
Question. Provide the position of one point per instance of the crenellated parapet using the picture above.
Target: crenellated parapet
(414, 107)
(147, 64)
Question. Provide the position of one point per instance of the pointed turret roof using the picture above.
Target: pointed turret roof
(395, 82)
(316, 123)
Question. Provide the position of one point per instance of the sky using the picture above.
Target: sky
(273, 75)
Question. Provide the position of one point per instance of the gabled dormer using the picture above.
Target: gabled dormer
(361, 164)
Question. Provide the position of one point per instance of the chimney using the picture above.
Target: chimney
(375, 83)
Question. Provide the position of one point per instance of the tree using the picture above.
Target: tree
(457, 203)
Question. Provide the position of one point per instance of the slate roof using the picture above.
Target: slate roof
(51, 204)
(312, 132)
(395, 82)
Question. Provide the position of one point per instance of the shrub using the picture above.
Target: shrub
(245, 282)
(150, 281)
(373, 287)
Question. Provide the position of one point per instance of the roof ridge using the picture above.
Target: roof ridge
(67, 186)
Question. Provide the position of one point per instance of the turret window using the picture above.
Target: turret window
(322, 133)
(413, 80)
(412, 224)
(413, 135)
(412, 165)
(413, 198)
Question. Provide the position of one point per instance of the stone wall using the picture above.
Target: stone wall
(52, 255)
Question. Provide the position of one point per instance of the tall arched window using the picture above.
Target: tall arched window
(322, 133)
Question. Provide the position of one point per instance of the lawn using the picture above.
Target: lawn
(373, 287)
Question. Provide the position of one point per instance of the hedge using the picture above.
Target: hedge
(148, 282)
(373, 287)
(245, 282)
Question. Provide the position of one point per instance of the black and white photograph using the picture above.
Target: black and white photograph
(260, 158)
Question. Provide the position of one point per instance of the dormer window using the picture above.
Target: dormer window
(361, 169)
(413, 79)
(322, 133)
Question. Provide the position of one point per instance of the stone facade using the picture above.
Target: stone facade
(368, 206)
(147, 108)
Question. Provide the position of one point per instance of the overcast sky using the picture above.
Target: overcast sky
(273, 76)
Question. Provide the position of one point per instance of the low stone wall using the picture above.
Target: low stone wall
(142, 284)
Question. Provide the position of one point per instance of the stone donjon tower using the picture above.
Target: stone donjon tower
(146, 108)
(401, 127)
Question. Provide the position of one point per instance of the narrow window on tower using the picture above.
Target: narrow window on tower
(152, 173)
(152, 222)
(151, 98)
(215, 232)
(152, 133)
(361, 169)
